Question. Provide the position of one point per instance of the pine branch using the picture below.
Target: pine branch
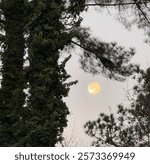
(114, 4)
(142, 12)
(107, 141)
(106, 62)
(79, 45)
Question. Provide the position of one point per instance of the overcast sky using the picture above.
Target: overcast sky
(82, 105)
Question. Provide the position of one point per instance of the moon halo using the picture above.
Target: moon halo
(94, 88)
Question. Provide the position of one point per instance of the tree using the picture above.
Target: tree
(131, 125)
(11, 92)
(43, 28)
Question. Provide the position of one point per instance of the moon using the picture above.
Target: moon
(94, 88)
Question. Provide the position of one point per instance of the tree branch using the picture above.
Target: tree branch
(106, 62)
(142, 12)
(79, 45)
(114, 4)
(107, 141)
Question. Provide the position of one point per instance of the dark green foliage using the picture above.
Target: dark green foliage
(39, 120)
(131, 125)
(11, 93)
(46, 79)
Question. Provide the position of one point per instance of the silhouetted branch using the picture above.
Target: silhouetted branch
(142, 12)
(115, 4)
(106, 62)
(79, 45)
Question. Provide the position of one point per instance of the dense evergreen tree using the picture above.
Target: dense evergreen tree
(46, 78)
(131, 125)
(11, 93)
(40, 120)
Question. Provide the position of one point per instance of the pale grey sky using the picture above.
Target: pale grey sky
(82, 105)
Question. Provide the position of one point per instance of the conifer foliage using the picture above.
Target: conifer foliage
(47, 77)
(11, 93)
(131, 125)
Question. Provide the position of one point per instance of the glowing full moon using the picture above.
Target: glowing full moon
(94, 88)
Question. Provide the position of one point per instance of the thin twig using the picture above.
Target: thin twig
(114, 4)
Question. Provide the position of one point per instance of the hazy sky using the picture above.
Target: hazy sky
(82, 105)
